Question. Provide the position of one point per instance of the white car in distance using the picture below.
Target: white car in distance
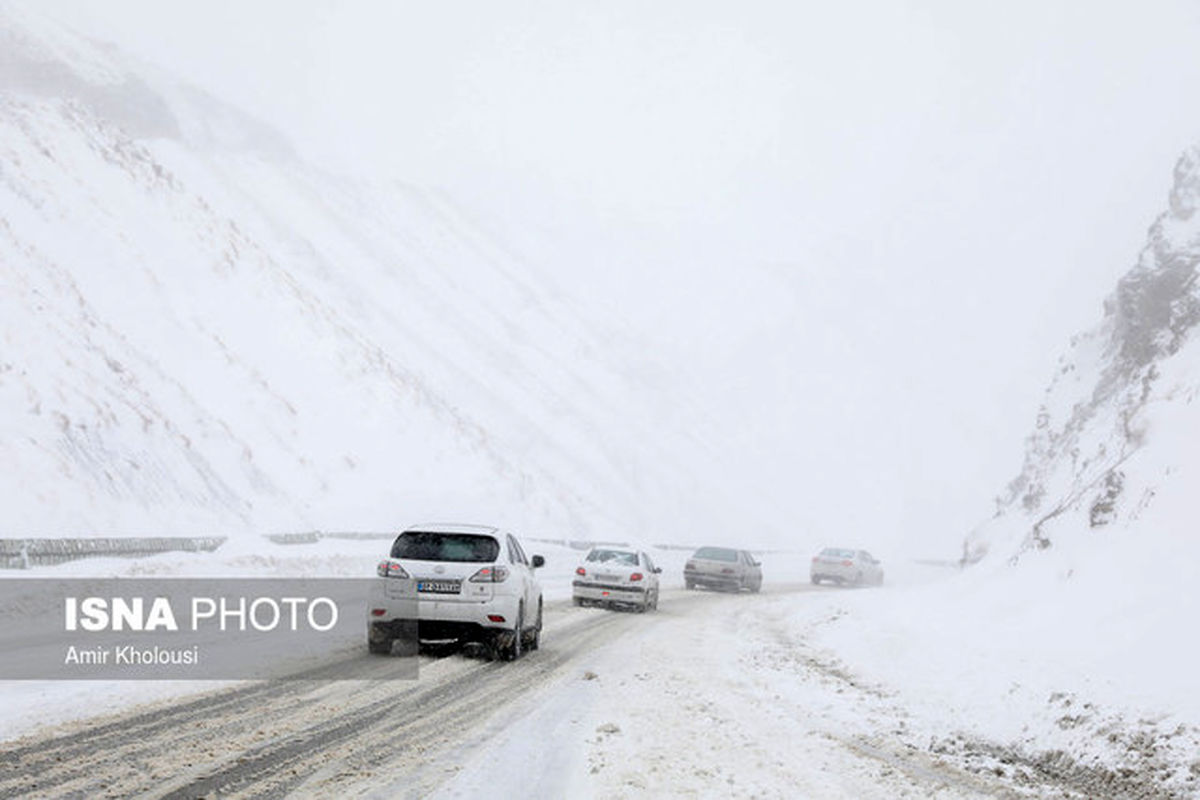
(844, 566)
(616, 577)
(469, 583)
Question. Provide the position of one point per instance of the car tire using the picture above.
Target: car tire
(579, 602)
(535, 638)
(689, 584)
(379, 640)
(654, 605)
(858, 579)
(516, 647)
(757, 587)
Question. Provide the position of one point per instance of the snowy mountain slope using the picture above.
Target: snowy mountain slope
(1115, 440)
(201, 332)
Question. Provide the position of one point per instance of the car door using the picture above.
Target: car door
(651, 575)
(524, 572)
(873, 569)
(745, 568)
(755, 568)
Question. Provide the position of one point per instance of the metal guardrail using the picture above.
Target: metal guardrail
(25, 553)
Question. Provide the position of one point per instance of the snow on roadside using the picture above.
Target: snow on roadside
(831, 693)
(1049, 663)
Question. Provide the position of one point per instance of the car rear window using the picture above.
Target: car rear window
(716, 554)
(834, 552)
(427, 546)
(613, 557)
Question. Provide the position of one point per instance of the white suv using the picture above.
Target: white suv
(469, 583)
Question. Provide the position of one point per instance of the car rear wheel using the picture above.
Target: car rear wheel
(379, 641)
(516, 646)
(535, 638)
(689, 584)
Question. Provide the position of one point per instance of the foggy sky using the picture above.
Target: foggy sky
(858, 235)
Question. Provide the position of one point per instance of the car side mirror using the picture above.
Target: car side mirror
(658, 570)
(538, 561)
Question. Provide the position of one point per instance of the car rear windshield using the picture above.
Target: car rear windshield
(613, 557)
(834, 552)
(426, 546)
(716, 554)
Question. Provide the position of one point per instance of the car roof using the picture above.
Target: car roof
(453, 527)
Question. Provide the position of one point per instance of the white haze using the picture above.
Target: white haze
(855, 235)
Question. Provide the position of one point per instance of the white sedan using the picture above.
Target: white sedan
(617, 577)
(844, 566)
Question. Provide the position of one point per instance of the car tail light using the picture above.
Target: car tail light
(816, 559)
(378, 612)
(390, 569)
(637, 576)
(690, 565)
(727, 571)
(495, 618)
(580, 571)
(847, 563)
(496, 574)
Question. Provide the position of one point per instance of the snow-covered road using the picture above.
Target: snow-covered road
(713, 695)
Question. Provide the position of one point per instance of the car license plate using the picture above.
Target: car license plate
(439, 587)
(600, 577)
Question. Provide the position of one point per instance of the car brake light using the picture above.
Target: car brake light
(390, 569)
(727, 571)
(378, 612)
(847, 563)
(496, 574)
(580, 571)
(816, 558)
(495, 618)
(690, 565)
(637, 576)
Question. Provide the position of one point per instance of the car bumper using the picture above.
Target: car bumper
(836, 573)
(709, 579)
(608, 593)
(429, 612)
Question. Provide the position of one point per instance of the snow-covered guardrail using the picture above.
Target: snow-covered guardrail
(310, 537)
(25, 553)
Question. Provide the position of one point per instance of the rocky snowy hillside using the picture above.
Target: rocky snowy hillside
(199, 332)
(1115, 445)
